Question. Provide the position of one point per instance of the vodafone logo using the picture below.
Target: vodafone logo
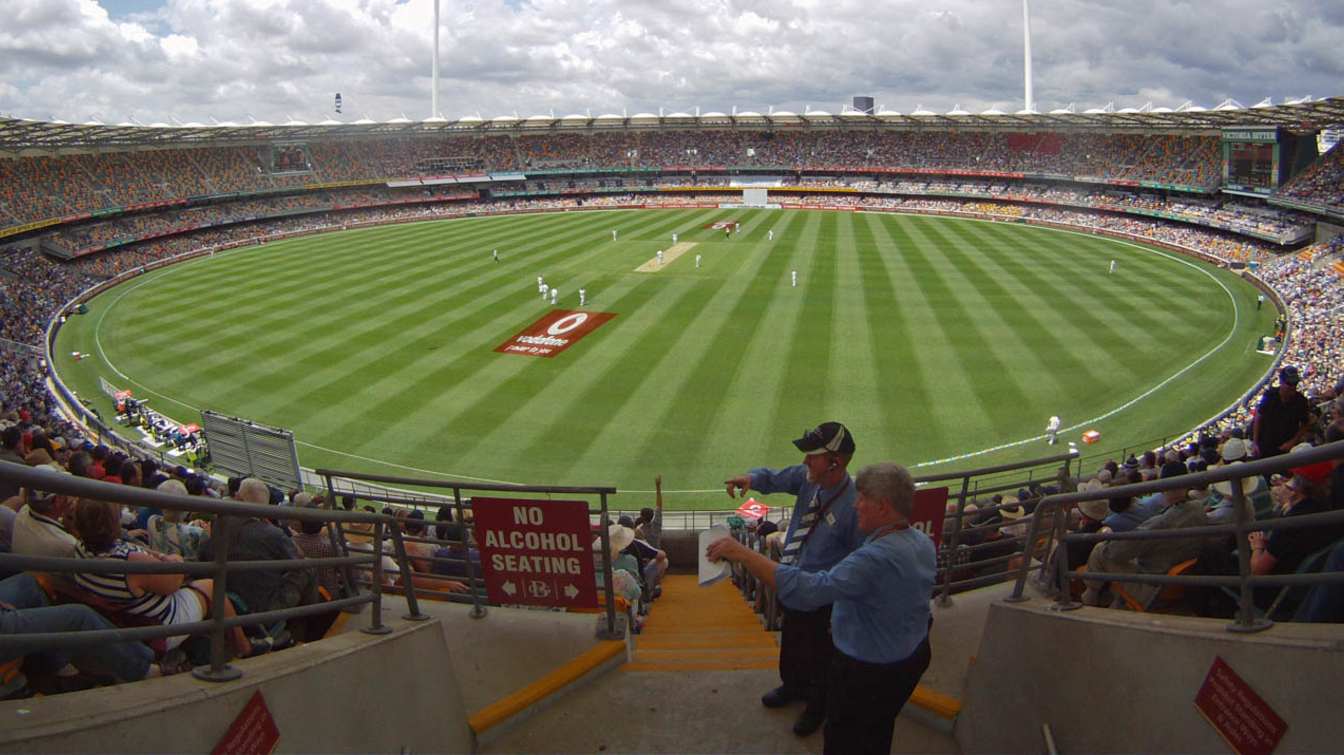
(553, 333)
(567, 323)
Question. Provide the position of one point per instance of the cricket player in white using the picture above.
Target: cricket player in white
(540, 281)
(495, 254)
(794, 275)
(1052, 430)
(583, 297)
(660, 258)
(555, 294)
(1112, 268)
(770, 235)
(613, 234)
(543, 292)
(697, 262)
(674, 237)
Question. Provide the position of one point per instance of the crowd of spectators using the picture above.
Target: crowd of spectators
(39, 188)
(1321, 184)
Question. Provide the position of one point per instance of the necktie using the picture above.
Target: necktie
(809, 520)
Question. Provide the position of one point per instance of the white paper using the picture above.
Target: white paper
(711, 572)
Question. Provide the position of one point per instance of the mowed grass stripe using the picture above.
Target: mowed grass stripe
(391, 317)
(854, 378)
(707, 359)
(972, 344)
(902, 392)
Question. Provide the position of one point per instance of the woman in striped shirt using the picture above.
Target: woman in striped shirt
(162, 598)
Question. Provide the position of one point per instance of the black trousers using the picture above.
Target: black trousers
(863, 700)
(805, 651)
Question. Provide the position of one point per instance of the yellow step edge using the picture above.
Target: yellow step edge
(937, 703)
(506, 707)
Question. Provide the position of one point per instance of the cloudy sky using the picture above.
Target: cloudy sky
(154, 60)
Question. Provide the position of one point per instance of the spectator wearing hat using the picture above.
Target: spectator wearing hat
(881, 617)
(1178, 511)
(38, 529)
(1220, 503)
(822, 531)
(1283, 417)
(1094, 513)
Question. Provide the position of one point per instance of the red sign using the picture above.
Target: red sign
(721, 225)
(930, 509)
(536, 553)
(554, 332)
(1241, 717)
(253, 732)
(753, 509)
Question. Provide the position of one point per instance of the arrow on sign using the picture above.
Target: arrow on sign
(571, 592)
(509, 589)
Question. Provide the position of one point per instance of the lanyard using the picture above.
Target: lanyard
(822, 511)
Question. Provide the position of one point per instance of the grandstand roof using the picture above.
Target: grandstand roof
(19, 134)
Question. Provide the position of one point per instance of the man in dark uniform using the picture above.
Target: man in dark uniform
(822, 531)
(1283, 418)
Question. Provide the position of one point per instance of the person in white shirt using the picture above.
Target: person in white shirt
(660, 258)
(697, 262)
(674, 237)
(613, 234)
(794, 275)
(1112, 268)
(770, 235)
(583, 297)
(555, 294)
(1052, 430)
(544, 290)
(495, 255)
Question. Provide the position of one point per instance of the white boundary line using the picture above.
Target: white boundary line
(1236, 320)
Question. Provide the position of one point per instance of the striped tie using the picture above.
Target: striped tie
(795, 544)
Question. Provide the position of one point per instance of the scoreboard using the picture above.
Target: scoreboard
(1251, 159)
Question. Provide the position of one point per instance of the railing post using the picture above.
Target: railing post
(1025, 569)
(407, 578)
(1247, 622)
(336, 533)
(604, 533)
(477, 607)
(945, 597)
(376, 625)
(1064, 596)
(219, 669)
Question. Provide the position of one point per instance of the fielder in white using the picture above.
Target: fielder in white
(794, 275)
(543, 292)
(770, 235)
(697, 262)
(583, 297)
(674, 238)
(1112, 268)
(613, 234)
(495, 254)
(660, 258)
(1052, 430)
(555, 294)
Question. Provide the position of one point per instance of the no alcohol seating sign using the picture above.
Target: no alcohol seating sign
(536, 553)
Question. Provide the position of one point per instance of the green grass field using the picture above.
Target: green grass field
(931, 338)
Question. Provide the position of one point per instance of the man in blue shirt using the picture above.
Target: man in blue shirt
(881, 618)
(822, 531)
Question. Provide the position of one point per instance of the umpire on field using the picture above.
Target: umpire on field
(822, 531)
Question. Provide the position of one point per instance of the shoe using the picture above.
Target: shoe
(778, 697)
(808, 723)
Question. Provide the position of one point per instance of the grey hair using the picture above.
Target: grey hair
(253, 490)
(890, 483)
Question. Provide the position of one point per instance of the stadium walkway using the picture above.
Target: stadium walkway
(693, 685)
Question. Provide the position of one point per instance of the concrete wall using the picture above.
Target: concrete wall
(1115, 681)
(350, 693)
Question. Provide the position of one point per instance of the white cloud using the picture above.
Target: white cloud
(273, 58)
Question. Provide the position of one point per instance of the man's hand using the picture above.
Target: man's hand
(741, 483)
(725, 548)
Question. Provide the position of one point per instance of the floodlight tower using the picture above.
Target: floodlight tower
(434, 73)
(1026, 49)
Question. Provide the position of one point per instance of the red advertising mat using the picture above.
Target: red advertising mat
(536, 553)
(556, 331)
(253, 732)
(930, 510)
(753, 509)
(1241, 717)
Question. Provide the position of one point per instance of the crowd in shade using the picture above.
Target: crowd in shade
(1321, 183)
(68, 186)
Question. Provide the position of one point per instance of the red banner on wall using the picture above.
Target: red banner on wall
(553, 333)
(253, 732)
(930, 510)
(1241, 717)
(536, 553)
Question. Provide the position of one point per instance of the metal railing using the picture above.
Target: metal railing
(1054, 509)
(227, 514)
(334, 479)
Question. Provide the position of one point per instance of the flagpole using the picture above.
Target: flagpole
(434, 74)
(1026, 45)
